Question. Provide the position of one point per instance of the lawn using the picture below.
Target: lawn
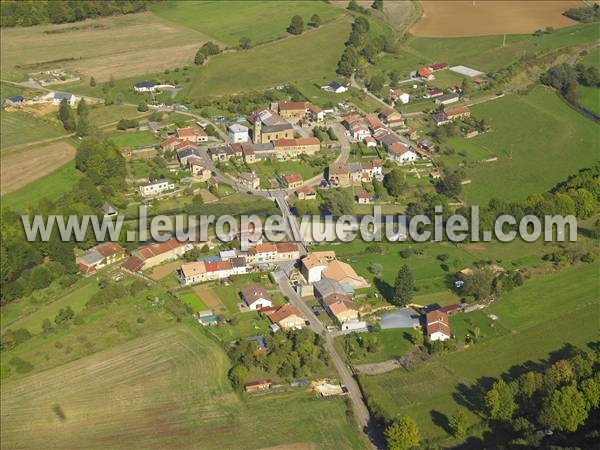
(21, 128)
(168, 390)
(311, 56)
(529, 133)
(539, 317)
(228, 21)
(51, 187)
(393, 344)
(269, 170)
(193, 301)
(125, 139)
(106, 115)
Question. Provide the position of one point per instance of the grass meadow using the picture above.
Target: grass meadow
(484, 53)
(538, 318)
(432, 279)
(311, 56)
(51, 187)
(228, 21)
(536, 130)
(22, 128)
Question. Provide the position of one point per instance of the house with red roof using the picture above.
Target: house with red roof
(438, 326)
(425, 74)
(100, 256)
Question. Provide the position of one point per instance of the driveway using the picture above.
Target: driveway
(400, 318)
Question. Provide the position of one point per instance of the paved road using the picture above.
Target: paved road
(361, 413)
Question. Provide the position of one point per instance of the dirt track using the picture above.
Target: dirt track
(22, 167)
(475, 18)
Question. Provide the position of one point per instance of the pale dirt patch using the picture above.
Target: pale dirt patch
(160, 272)
(38, 110)
(210, 299)
(294, 446)
(475, 18)
(21, 168)
(207, 196)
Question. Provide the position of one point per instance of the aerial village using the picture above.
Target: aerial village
(305, 289)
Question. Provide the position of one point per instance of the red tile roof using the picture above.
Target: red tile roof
(457, 110)
(159, 248)
(296, 142)
(133, 264)
(398, 149)
(286, 247)
(293, 177)
(292, 106)
(424, 72)
(109, 249)
(185, 132)
(168, 142)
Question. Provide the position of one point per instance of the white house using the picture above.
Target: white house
(144, 86)
(399, 95)
(256, 297)
(313, 264)
(57, 97)
(438, 328)
(156, 187)
(238, 133)
(401, 153)
(336, 87)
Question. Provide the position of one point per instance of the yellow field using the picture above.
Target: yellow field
(122, 46)
(478, 17)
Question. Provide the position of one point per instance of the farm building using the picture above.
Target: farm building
(100, 256)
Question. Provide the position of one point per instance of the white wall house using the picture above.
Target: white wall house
(156, 187)
(238, 133)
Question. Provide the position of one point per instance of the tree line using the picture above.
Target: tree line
(29, 266)
(27, 13)
(291, 354)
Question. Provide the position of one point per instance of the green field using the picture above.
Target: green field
(164, 391)
(228, 21)
(21, 128)
(431, 280)
(590, 99)
(130, 139)
(51, 186)
(76, 299)
(311, 56)
(490, 53)
(539, 317)
(533, 131)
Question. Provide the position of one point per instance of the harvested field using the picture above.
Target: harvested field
(210, 299)
(165, 391)
(473, 18)
(160, 272)
(25, 166)
(122, 46)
